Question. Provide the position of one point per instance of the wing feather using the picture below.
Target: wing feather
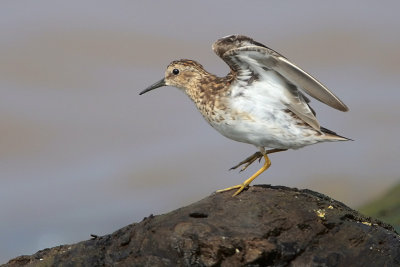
(231, 47)
(309, 84)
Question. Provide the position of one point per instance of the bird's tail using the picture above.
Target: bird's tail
(332, 136)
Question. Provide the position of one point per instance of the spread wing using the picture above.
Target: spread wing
(244, 56)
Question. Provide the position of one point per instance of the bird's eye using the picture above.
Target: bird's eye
(175, 71)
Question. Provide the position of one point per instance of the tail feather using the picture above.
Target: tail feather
(331, 135)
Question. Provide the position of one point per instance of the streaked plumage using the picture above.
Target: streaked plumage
(261, 100)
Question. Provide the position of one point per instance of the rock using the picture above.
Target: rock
(386, 208)
(263, 226)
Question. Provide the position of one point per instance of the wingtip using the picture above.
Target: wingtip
(339, 105)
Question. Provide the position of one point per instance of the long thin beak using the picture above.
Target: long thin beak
(153, 86)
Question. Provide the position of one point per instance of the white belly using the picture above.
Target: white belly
(272, 132)
(259, 119)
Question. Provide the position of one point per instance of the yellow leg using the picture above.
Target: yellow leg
(248, 181)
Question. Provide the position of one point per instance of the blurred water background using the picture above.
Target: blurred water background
(82, 153)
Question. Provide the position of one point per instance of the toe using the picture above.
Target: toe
(229, 188)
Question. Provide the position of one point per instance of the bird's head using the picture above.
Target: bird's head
(184, 74)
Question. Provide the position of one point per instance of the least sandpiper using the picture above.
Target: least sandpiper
(260, 101)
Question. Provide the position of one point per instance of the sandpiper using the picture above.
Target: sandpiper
(260, 101)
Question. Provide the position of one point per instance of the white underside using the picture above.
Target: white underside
(267, 125)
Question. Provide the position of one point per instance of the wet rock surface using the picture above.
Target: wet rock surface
(263, 226)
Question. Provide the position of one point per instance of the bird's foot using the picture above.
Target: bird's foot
(248, 161)
(240, 186)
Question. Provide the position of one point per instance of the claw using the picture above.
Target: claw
(248, 161)
(258, 155)
(248, 164)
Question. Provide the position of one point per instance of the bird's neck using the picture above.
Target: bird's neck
(209, 85)
(209, 92)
